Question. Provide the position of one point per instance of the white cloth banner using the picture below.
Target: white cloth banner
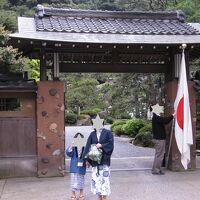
(183, 124)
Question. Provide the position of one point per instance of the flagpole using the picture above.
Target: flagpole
(183, 123)
(170, 142)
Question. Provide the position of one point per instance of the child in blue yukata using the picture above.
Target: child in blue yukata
(77, 168)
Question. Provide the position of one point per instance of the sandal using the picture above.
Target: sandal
(73, 198)
(82, 197)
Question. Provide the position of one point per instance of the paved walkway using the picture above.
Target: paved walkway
(125, 185)
(131, 179)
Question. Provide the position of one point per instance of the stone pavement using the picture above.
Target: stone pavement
(131, 179)
(125, 185)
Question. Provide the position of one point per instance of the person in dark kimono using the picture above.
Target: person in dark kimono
(103, 139)
(159, 140)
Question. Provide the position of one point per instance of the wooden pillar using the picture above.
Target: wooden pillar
(43, 71)
(50, 129)
(56, 69)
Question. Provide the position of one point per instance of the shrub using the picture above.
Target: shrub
(144, 139)
(132, 127)
(118, 130)
(146, 128)
(198, 140)
(118, 122)
(70, 118)
(91, 112)
(109, 120)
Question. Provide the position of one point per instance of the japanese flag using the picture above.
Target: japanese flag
(183, 124)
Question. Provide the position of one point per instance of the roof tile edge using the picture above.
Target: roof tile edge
(42, 11)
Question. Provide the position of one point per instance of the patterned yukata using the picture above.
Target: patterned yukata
(77, 182)
(77, 173)
(101, 172)
(101, 180)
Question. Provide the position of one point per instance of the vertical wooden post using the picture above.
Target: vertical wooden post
(56, 69)
(50, 128)
(43, 71)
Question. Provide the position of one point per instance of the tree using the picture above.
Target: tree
(11, 61)
(133, 93)
(190, 7)
(82, 95)
(8, 19)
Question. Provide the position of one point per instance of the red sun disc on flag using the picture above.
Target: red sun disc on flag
(179, 113)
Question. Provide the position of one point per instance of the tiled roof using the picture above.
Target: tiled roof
(112, 22)
(19, 85)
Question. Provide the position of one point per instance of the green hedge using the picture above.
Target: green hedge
(118, 129)
(198, 139)
(146, 128)
(70, 118)
(109, 120)
(132, 127)
(91, 112)
(116, 123)
(144, 139)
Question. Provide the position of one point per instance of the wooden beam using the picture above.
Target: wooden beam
(56, 65)
(43, 71)
(114, 68)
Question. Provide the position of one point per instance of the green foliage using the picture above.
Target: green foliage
(190, 8)
(144, 139)
(82, 94)
(118, 130)
(3, 4)
(132, 93)
(116, 127)
(91, 112)
(11, 60)
(198, 139)
(109, 120)
(8, 19)
(33, 68)
(132, 127)
(4, 36)
(116, 123)
(70, 118)
(146, 128)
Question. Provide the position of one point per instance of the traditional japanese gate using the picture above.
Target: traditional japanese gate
(101, 41)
